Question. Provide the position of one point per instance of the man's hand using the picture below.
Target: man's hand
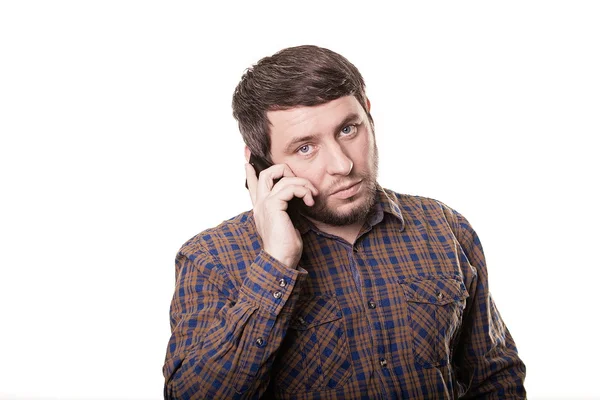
(280, 239)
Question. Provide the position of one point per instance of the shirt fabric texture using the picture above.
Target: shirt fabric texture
(402, 313)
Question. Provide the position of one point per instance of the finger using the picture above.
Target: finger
(252, 180)
(289, 192)
(267, 176)
(285, 181)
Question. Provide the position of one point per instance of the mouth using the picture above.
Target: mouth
(348, 190)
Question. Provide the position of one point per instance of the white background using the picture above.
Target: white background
(118, 144)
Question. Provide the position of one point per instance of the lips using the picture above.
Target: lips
(346, 187)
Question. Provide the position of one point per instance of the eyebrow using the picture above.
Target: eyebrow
(309, 138)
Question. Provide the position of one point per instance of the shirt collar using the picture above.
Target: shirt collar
(386, 202)
(390, 204)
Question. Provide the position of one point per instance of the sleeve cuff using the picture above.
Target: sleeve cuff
(272, 285)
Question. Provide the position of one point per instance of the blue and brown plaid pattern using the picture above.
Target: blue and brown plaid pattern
(403, 313)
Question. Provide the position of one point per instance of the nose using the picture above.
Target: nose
(338, 163)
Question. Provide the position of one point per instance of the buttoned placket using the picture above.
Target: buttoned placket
(357, 265)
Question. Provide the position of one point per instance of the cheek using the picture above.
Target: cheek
(310, 172)
(362, 153)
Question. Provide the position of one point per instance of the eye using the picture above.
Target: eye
(348, 130)
(304, 149)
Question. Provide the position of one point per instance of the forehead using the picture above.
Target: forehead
(313, 120)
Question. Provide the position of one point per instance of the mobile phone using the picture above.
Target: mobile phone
(261, 164)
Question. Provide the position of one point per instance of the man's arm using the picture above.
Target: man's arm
(486, 358)
(224, 336)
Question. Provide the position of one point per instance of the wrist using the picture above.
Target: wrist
(290, 262)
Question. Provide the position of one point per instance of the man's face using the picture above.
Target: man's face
(333, 146)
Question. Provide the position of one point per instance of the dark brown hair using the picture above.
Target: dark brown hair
(292, 77)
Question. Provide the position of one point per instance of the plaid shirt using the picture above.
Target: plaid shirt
(403, 313)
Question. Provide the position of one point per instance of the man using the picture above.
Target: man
(331, 287)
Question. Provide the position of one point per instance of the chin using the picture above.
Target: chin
(342, 212)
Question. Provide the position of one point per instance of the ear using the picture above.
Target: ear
(368, 105)
(247, 153)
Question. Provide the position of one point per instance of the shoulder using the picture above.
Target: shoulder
(421, 209)
(231, 235)
(411, 204)
(222, 253)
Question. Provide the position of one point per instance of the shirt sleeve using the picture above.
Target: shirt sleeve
(224, 336)
(486, 360)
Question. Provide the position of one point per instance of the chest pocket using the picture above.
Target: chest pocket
(435, 310)
(314, 355)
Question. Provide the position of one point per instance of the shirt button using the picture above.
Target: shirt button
(372, 304)
(383, 362)
(282, 283)
(260, 342)
(277, 295)
(439, 295)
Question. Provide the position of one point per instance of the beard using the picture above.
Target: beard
(321, 211)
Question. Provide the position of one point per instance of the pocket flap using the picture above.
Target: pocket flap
(435, 291)
(315, 310)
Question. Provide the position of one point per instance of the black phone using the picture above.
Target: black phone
(260, 164)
